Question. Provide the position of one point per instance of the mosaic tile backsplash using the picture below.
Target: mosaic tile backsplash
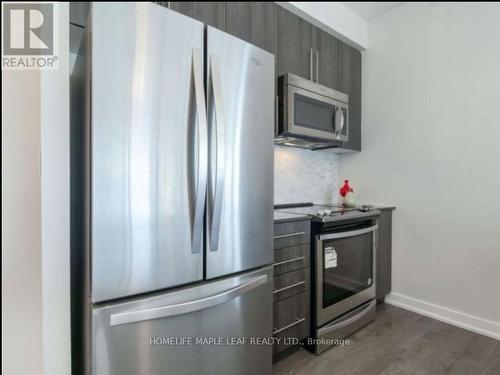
(304, 176)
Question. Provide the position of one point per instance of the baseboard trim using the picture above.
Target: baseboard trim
(444, 314)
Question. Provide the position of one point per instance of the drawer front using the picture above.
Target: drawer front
(291, 258)
(291, 320)
(290, 284)
(291, 234)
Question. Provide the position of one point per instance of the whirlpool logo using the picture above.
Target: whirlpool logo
(30, 36)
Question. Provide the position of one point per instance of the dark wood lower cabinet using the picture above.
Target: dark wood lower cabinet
(291, 318)
(292, 284)
(384, 254)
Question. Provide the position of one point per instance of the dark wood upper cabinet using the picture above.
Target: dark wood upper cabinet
(294, 44)
(350, 83)
(326, 58)
(300, 48)
(78, 12)
(254, 22)
(212, 13)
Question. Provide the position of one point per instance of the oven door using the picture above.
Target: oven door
(345, 273)
(316, 116)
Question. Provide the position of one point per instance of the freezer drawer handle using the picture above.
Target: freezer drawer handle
(186, 307)
(299, 283)
(297, 321)
(289, 235)
(288, 261)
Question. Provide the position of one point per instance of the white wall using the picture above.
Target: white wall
(302, 175)
(21, 224)
(35, 218)
(334, 18)
(431, 132)
(55, 209)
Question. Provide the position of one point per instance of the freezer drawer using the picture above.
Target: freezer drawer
(136, 337)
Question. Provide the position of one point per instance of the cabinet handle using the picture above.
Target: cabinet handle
(289, 235)
(288, 261)
(297, 283)
(317, 66)
(311, 78)
(297, 321)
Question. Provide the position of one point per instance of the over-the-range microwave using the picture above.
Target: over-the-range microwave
(310, 115)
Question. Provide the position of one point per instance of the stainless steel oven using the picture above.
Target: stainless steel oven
(311, 115)
(345, 269)
(344, 251)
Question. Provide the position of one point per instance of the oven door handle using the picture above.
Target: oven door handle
(337, 325)
(352, 233)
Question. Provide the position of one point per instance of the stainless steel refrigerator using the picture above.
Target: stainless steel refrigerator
(175, 189)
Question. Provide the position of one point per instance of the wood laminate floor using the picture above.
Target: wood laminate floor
(401, 342)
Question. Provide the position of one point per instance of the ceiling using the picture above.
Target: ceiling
(369, 11)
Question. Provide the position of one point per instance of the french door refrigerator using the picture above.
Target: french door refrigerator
(177, 176)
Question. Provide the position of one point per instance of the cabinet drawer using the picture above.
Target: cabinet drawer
(291, 258)
(291, 320)
(292, 233)
(290, 284)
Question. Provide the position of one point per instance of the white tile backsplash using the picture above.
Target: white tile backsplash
(302, 175)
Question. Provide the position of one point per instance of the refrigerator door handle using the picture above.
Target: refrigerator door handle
(186, 307)
(214, 224)
(201, 183)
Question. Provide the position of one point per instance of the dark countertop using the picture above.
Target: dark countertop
(356, 215)
(382, 207)
(283, 217)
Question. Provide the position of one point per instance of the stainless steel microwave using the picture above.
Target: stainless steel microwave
(310, 115)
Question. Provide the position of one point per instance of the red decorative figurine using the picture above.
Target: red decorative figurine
(347, 194)
(345, 188)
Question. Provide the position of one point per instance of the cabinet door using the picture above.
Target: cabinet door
(326, 60)
(294, 44)
(350, 83)
(384, 254)
(254, 22)
(211, 12)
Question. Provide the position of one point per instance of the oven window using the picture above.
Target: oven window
(347, 267)
(313, 114)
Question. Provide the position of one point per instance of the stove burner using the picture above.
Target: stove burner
(322, 213)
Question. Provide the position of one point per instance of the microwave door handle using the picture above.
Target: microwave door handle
(201, 179)
(317, 67)
(218, 188)
(339, 121)
(311, 77)
(335, 114)
(342, 121)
